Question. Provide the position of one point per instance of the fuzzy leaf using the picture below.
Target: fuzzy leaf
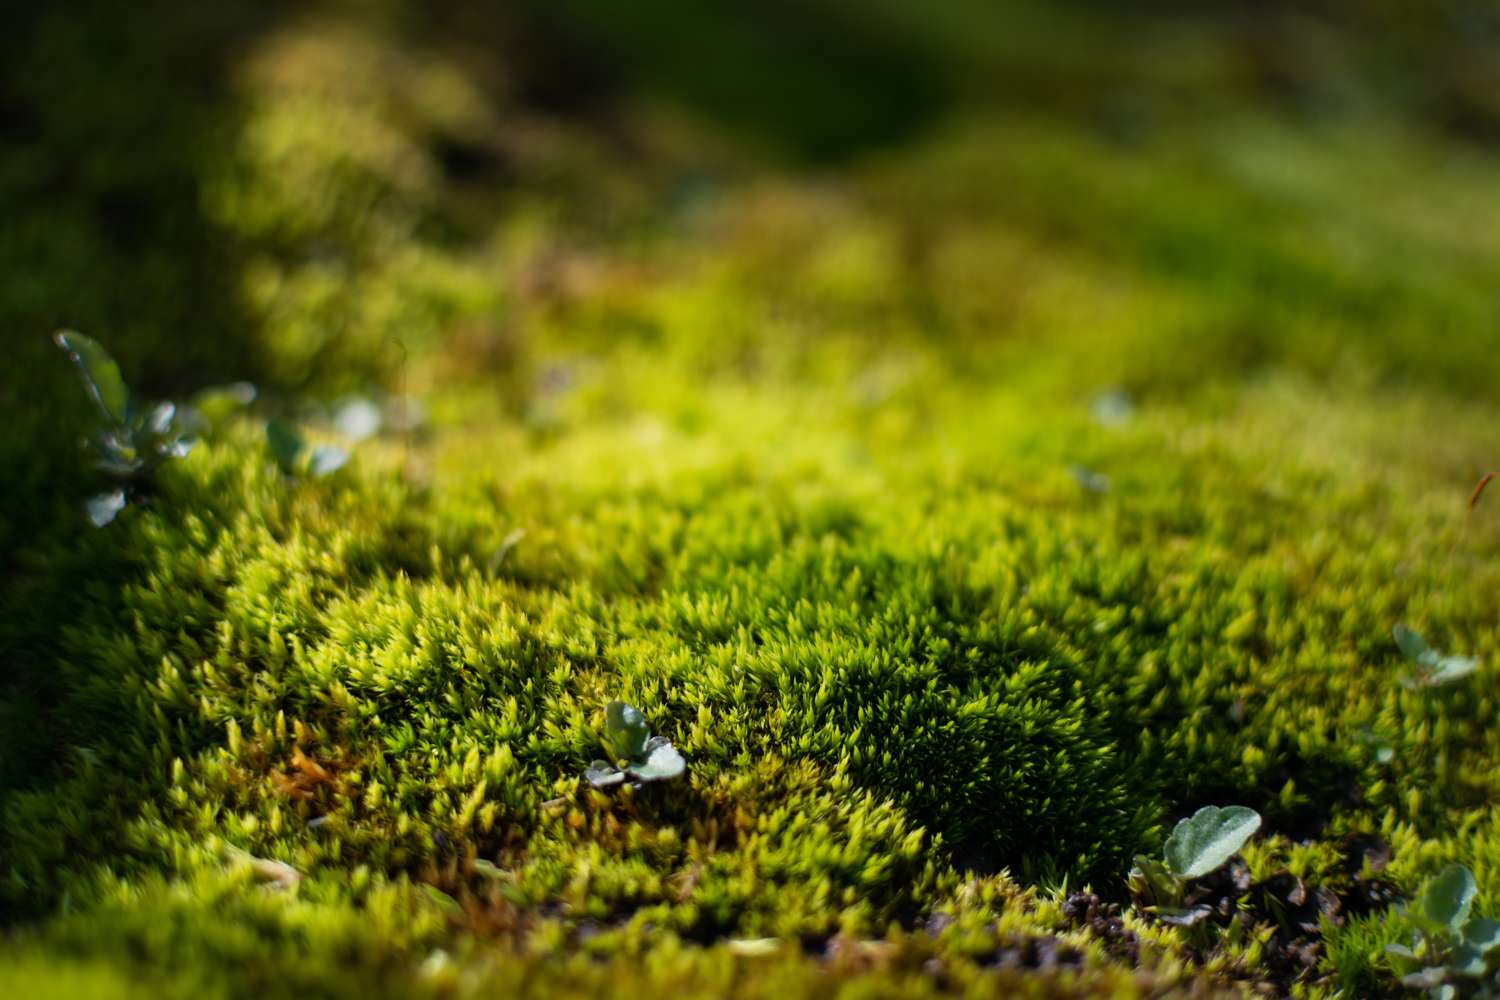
(662, 763)
(754, 947)
(1447, 898)
(101, 376)
(357, 418)
(326, 459)
(102, 509)
(602, 774)
(1209, 838)
(177, 448)
(1412, 645)
(1429, 978)
(625, 731)
(159, 420)
(1482, 934)
(1179, 917)
(1466, 961)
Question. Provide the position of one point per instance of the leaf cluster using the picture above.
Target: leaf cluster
(132, 439)
(1451, 952)
(637, 754)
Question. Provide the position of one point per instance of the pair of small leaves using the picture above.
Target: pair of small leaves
(661, 762)
(1433, 668)
(642, 757)
(287, 446)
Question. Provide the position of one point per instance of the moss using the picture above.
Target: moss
(809, 473)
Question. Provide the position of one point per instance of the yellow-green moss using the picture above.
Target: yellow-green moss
(803, 467)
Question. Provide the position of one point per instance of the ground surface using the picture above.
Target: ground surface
(967, 502)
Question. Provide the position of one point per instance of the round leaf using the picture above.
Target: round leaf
(1447, 898)
(625, 730)
(1412, 645)
(357, 418)
(662, 764)
(284, 441)
(326, 459)
(602, 774)
(1466, 961)
(101, 376)
(1482, 934)
(102, 509)
(1210, 837)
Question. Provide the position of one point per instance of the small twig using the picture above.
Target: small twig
(1479, 490)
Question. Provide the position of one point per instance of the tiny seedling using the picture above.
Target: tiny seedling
(1432, 668)
(1449, 948)
(295, 458)
(133, 440)
(638, 755)
(1199, 845)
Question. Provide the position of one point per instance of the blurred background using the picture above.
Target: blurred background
(471, 201)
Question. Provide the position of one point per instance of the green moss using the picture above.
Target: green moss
(807, 473)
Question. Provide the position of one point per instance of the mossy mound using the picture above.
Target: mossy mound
(965, 516)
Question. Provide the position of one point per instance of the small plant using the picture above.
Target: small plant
(1432, 668)
(1451, 953)
(639, 755)
(1198, 846)
(295, 458)
(133, 440)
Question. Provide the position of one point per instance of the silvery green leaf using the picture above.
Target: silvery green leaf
(662, 763)
(1179, 917)
(1447, 669)
(1412, 645)
(357, 418)
(754, 947)
(102, 509)
(101, 376)
(177, 447)
(285, 443)
(327, 459)
(1429, 978)
(159, 420)
(625, 730)
(602, 774)
(1447, 898)
(1400, 951)
(1466, 961)
(1210, 837)
(1112, 408)
(1482, 934)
